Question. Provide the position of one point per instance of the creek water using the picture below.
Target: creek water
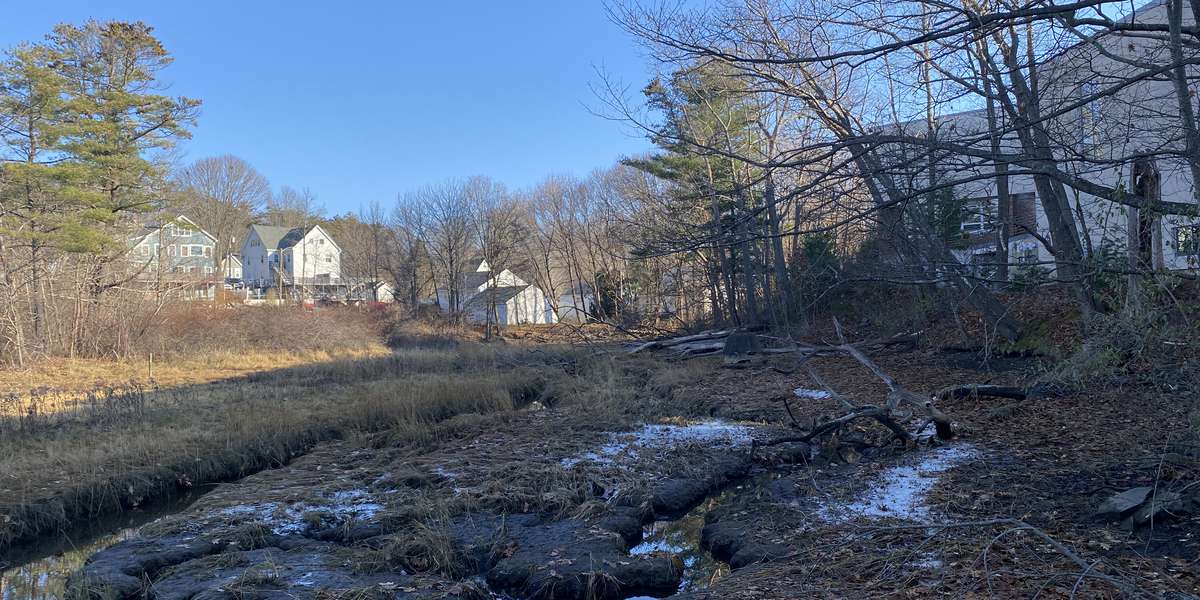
(681, 537)
(39, 571)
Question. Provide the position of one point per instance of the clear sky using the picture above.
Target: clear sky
(362, 100)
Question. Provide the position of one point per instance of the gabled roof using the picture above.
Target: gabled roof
(473, 279)
(270, 234)
(297, 234)
(155, 227)
(501, 295)
(291, 238)
(472, 263)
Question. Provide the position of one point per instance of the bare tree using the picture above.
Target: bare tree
(223, 194)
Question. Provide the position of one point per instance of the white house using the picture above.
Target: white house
(384, 292)
(511, 300)
(1105, 133)
(231, 268)
(294, 258)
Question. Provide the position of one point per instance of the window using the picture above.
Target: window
(1187, 240)
(1027, 255)
(976, 216)
(208, 251)
(1089, 119)
(321, 242)
(171, 250)
(183, 250)
(329, 258)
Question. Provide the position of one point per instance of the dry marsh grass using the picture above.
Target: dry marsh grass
(212, 430)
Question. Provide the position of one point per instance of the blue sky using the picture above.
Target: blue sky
(362, 100)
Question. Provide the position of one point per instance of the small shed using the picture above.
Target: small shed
(513, 305)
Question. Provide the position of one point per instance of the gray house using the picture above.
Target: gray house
(175, 256)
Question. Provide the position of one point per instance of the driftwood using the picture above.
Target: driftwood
(714, 341)
(672, 342)
(885, 414)
(984, 390)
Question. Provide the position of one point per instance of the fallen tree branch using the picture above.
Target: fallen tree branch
(982, 390)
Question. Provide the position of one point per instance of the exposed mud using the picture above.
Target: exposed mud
(349, 519)
(558, 504)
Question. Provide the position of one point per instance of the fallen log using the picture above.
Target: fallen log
(983, 390)
(670, 342)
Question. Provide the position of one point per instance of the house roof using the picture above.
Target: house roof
(270, 234)
(156, 226)
(291, 238)
(297, 234)
(473, 279)
(501, 295)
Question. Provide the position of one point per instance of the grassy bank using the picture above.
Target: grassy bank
(208, 428)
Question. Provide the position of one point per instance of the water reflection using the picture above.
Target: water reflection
(681, 537)
(39, 571)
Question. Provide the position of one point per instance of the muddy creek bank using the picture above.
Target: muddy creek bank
(41, 570)
(660, 510)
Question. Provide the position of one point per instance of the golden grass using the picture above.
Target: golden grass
(214, 428)
(84, 374)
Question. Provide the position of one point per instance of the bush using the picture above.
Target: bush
(200, 329)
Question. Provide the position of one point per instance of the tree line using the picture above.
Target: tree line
(802, 148)
(862, 126)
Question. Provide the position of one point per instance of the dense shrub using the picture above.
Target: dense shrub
(201, 329)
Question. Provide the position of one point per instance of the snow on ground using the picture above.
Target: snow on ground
(290, 518)
(811, 394)
(900, 491)
(713, 434)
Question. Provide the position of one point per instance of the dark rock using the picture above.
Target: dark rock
(350, 533)
(676, 496)
(783, 490)
(267, 573)
(752, 552)
(739, 345)
(1159, 506)
(119, 570)
(1123, 503)
(723, 539)
(626, 522)
(571, 559)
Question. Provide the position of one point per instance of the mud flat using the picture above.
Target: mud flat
(463, 521)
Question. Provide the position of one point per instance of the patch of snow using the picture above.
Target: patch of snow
(928, 561)
(445, 473)
(812, 394)
(900, 492)
(661, 437)
(289, 519)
